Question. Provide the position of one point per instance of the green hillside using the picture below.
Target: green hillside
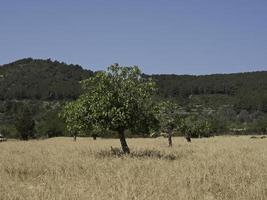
(36, 79)
(233, 101)
(40, 79)
(243, 90)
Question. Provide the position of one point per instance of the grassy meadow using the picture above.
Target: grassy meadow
(227, 168)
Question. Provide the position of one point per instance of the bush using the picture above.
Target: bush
(25, 124)
(9, 131)
(4, 132)
(195, 127)
(50, 125)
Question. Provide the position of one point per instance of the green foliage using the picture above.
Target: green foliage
(195, 126)
(243, 90)
(260, 125)
(4, 132)
(229, 100)
(52, 80)
(221, 119)
(39, 110)
(41, 79)
(119, 99)
(167, 114)
(76, 115)
(9, 130)
(218, 126)
(50, 125)
(25, 124)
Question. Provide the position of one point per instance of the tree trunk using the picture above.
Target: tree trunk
(188, 136)
(94, 136)
(170, 137)
(124, 145)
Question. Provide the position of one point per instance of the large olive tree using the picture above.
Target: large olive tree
(118, 99)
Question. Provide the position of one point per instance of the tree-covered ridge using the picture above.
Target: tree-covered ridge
(41, 79)
(36, 79)
(244, 90)
(212, 84)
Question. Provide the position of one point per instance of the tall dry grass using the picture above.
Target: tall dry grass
(215, 168)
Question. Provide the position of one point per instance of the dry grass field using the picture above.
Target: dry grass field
(60, 169)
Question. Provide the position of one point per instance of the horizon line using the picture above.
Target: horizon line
(151, 74)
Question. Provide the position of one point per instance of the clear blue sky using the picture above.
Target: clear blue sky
(161, 36)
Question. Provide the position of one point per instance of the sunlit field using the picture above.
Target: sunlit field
(59, 168)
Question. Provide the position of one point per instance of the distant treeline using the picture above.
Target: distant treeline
(243, 90)
(52, 80)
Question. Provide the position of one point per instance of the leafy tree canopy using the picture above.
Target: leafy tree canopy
(167, 114)
(117, 99)
(195, 126)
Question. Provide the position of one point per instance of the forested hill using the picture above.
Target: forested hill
(37, 79)
(40, 79)
(244, 90)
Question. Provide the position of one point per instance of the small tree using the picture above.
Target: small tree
(50, 125)
(75, 115)
(260, 125)
(185, 127)
(195, 126)
(168, 117)
(117, 100)
(25, 124)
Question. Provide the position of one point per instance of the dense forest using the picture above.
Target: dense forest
(244, 90)
(237, 101)
(40, 80)
(34, 79)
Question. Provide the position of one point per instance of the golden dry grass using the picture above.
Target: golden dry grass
(215, 168)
